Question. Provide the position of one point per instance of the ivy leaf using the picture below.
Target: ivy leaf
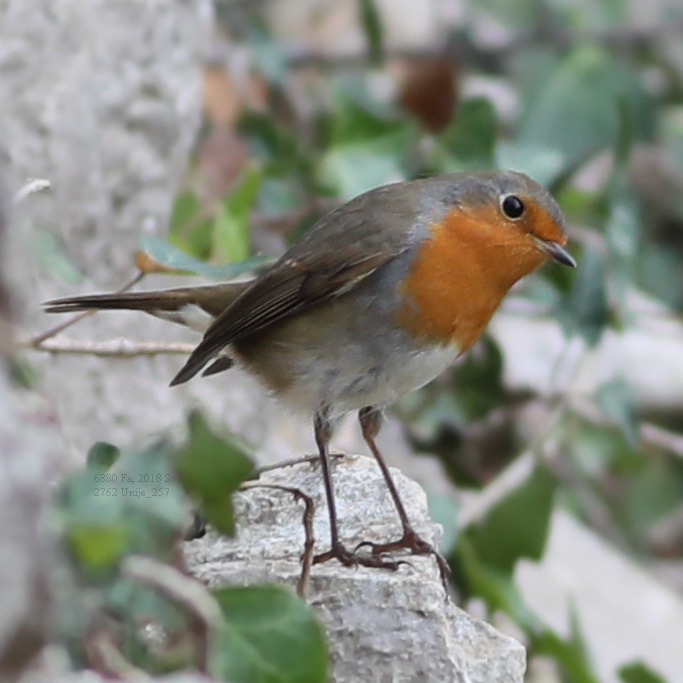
(468, 143)
(371, 22)
(165, 254)
(271, 636)
(102, 455)
(517, 526)
(576, 109)
(211, 469)
(369, 143)
(231, 234)
(638, 672)
(584, 310)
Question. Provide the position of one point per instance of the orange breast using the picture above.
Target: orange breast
(461, 275)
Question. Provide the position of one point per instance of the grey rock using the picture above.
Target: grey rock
(382, 625)
(103, 100)
(29, 458)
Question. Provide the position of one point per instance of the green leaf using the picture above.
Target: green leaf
(359, 117)
(497, 588)
(584, 311)
(266, 52)
(569, 653)
(479, 380)
(102, 455)
(276, 148)
(186, 207)
(352, 169)
(371, 21)
(92, 514)
(468, 142)
(211, 469)
(142, 604)
(638, 672)
(95, 546)
(517, 526)
(368, 144)
(136, 506)
(190, 228)
(576, 108)
(501, 593)
(155, 505)
(167, 255)
(543, 164)
(271, 636)
(231, 236)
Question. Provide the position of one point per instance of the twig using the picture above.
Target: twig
(292, 462)
(106, 658)
(30, 187)
(596, 511)
(114, 348)
(37, 341)
(307, 519)
(649, 433)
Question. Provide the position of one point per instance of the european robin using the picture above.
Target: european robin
(374, 301)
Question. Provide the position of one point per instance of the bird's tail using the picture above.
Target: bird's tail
(178, 305)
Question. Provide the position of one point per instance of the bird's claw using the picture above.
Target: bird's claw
(351, 559)
(416, 545)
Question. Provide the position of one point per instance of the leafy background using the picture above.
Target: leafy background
(586, 98)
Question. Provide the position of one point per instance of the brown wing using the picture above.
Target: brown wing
(341, 250)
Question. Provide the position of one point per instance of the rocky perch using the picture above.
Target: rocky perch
(382, 625)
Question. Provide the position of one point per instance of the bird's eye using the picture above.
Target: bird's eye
(512, 205)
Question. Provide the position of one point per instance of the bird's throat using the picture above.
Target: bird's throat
(457, 281)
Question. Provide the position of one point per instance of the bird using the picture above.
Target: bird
(379, 297)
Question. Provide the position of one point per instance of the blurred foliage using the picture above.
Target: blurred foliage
(136, 504)
(590, 105)
(597, 117)
(587, 121)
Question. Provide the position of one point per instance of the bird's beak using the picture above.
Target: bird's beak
(555, 250)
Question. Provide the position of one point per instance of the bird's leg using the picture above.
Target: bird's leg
(323, 434)
(370, 419)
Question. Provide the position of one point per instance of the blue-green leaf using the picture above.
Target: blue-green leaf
(576, 109)
(164, 253)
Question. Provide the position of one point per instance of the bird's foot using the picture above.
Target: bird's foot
(351, 559)
(416, 545)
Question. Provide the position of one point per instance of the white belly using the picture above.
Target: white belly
(352, 386)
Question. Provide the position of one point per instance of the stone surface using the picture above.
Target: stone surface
(29, 457)
(625, 614)
(103, 100)
(538, 359)
(382, 625)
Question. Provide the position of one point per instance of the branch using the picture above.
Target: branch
(307, 521)
(113, 348)
(649, 433)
